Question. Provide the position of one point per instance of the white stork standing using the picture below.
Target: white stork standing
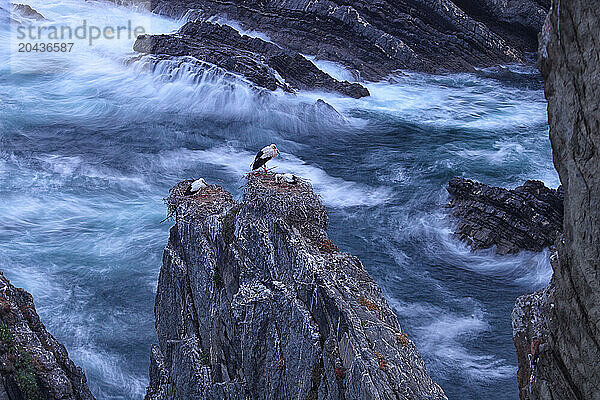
(263, 156)
(196, 186)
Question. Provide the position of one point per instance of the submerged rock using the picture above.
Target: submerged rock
(255, 301)
(33, 364)
(262, 63)
(529, 217)
(568, 367)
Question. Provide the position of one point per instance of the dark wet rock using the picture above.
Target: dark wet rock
(33, 364)
(27, 12)
(262, 63)
(537, 375)
(526, 218)
(376, 38)
(371, 39)
(255, 301)
(516, 21)
(540, 374)
(569, 62)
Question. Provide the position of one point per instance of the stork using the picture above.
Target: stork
(196, 186)
(263, 156)
(286, 178)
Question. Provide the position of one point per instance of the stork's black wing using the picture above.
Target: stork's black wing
(258, 160)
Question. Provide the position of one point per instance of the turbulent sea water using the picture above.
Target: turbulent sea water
(90, 145)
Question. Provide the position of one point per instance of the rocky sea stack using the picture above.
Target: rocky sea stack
(255, 301)
(529, 217)
(33, 364)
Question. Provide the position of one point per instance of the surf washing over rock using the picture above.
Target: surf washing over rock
(378, 38)
(372, 40)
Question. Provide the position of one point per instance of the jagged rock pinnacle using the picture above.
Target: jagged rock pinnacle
(255, 301)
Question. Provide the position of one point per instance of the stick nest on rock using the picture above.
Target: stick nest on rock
(296, 203)
(207, 201)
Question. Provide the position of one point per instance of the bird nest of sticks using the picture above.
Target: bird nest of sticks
(296, 203)
(207, 201)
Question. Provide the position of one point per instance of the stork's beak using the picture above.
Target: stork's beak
(277, 151)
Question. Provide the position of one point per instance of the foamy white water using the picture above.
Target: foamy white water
(91, 146)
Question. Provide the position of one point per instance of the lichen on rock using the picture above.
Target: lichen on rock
(33, 364)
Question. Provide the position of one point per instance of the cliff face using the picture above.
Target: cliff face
(33, 365)
(570, 64)
(254, 301)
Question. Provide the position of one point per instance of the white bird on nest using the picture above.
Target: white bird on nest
(287, 178)
(263, 156)
(196, 186)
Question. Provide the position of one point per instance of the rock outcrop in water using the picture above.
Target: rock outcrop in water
(568, 367)
(262, 63)
(33, 364)
(371, 39)
(377, 38)
(15, 13)
(27, 12)
(255, 301)
(529, 217)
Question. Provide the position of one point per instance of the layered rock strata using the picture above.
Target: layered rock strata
(263, 63)
(376, 38)
(528, 217)
(370, 39)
